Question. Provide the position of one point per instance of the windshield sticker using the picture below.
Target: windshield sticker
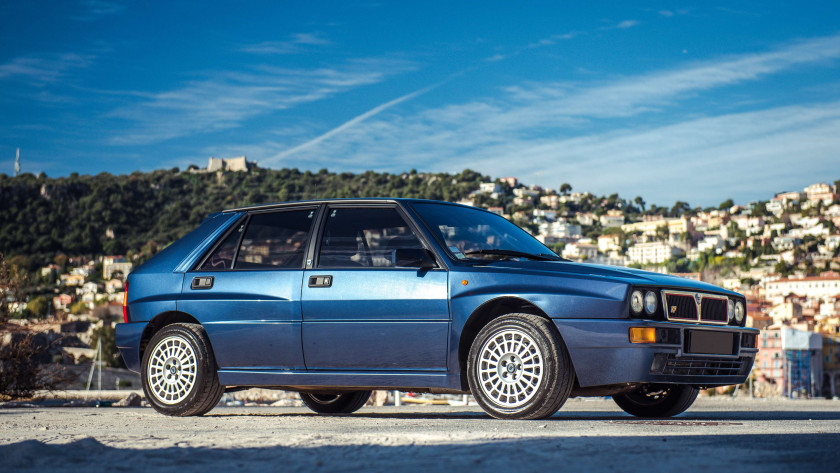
(455, 251)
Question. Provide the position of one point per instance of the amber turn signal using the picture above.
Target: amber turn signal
(642, 335)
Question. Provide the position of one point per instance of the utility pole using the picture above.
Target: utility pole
(17, 162)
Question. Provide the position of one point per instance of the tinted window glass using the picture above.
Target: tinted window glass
(275, 240)
(364, 238)
(222, 258)
(466, 231)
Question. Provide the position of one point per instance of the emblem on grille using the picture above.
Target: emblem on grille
(673, 309)
(697, 298)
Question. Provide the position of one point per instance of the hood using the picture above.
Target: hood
(624, 274)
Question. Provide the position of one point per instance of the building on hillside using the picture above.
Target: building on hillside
(552, 201)
(613, 218)
(511, 181)
(652, 253)
(823, 286)
(820, 192)
(115, 264)
(72, 279)
(831, 364)
(238, 164)
(792, 360)
(607, 243)
(489, 188)
(649, 227)
(580, 251)
(62, 301)
(560, 229)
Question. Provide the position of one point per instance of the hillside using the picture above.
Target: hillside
(106, 214)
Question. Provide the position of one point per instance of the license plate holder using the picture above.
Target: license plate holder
(708, 342)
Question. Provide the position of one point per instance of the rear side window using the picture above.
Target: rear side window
(364, 237)
(222, 258)
(275, 240)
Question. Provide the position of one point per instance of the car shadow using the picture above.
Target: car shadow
(561, 416)
(655, 453)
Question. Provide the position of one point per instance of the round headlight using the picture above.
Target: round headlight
(650, 302)
(730, 310)
(739, 312)
(636, 302)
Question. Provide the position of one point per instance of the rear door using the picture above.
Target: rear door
(246, 293)
(360, 311)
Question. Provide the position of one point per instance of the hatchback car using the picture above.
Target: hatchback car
(336, 298)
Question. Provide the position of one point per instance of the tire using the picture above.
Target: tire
(337, 403)
(179, 372)
(657, 400)
(540, 379)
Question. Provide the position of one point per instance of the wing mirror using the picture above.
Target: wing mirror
(413, 258)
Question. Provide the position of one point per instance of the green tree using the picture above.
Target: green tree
(110, 352)
(38, 307)
(726, 204)
(565, 188)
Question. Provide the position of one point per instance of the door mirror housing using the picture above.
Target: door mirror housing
(413, 258)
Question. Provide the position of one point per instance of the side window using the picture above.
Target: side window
(364, 237)
(275, 240)
(222, 258)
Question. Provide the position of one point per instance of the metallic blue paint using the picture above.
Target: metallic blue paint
(128, 341)
(376, 319)
(251, 317)
(391, 327)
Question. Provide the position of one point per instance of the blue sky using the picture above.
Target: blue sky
(671, 101)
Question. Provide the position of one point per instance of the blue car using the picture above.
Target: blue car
(336, 298)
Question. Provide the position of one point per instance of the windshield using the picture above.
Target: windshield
(470, 233)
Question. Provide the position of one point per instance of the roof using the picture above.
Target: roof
(362, 200)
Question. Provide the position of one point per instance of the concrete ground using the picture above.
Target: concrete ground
(716, 434)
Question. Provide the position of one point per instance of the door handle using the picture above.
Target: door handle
(320, 281)
(202, 282)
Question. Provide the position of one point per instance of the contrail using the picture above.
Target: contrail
(353, 121)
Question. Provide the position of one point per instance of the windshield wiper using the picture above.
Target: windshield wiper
(516, 254)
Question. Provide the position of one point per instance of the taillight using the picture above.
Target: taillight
(125, 303)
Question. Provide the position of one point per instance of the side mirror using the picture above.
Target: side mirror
(413, 258)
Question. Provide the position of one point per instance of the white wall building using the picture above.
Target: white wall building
(652, 253)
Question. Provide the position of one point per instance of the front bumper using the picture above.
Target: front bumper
(602, 354)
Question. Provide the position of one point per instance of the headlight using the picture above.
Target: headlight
(739, 312)
(730, 310)
(636, 302)
(650, 302)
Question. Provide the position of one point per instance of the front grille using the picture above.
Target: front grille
(713, 310)
(670, 364)
(681, 307)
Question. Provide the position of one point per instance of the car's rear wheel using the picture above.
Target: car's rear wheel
(179, 371)
(519, 368)
(335, 403)
(657, 400)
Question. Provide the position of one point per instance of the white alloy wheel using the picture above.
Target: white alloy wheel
(510, 368)
(172, 370)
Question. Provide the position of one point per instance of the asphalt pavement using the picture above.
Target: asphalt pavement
(586, 435)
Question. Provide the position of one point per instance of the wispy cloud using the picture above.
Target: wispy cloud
(507, 134)
(623, 25)
(294, 45)
(44, 69)
(352, 122)
(227, 99)
(93, 10)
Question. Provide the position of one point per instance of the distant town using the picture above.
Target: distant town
(782, 253)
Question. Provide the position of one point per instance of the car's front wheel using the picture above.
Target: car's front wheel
(519, 368)
(179, 372)
(657, 400)
(335, 403)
